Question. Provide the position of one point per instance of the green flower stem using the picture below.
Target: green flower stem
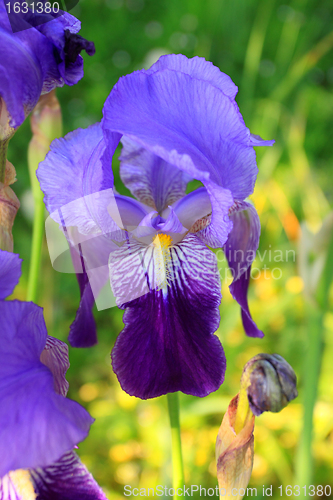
(315, 347)
(36, 247)
(46, 125)
(304, 463)
(3, 157)
(177, 458)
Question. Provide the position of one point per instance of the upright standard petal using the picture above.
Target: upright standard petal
(168, 343)
(186, 121)
(240, 251)
(10, 273)
(198, 68)
(37, 426)
(150, 179)
(185, 129)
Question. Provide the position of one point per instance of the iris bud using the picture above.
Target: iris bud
(268, 383)
(46, 125)
(272, 383)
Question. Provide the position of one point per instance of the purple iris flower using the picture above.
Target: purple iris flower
(37, 60)
(39, 426)
(177, 121)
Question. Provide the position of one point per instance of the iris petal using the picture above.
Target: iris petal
(40, 60)
(168, 343)
(198, 68)
(150, 179)
(55, 357)
(37, 426)
(67, 479)
(240, 251)
(10, 272)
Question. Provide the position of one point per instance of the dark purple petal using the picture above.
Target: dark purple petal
(20, 83)
(149, 178)
(68, 66)
(238, 290)
(90, 255)
(67, 479)
(168, 343)
(37, 426)
(43, 59)
(240, 251)
(10, 273)
(55, 357)
(82, 331)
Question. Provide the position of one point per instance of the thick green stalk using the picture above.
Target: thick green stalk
(46, 125)
(177, 458)
(36, 248)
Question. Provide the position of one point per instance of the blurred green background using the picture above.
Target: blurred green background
(280, 56)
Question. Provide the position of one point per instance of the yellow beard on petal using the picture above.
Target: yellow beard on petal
(22, 483)
(162, 259)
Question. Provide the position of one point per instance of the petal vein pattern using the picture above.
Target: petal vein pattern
(168, 343)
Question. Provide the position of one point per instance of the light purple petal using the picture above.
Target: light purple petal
(256, 140)
(127, 212)
(74, 181)
(189, 123)
(37, 426)
(168, 343)
(193, 207)
(67, 479)
(149, 178)
(10, 273)
(198, 68)
(192, 125)
(55, 357)
(240, 251)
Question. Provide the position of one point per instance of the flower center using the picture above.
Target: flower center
(22, 482)
(162, 260)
